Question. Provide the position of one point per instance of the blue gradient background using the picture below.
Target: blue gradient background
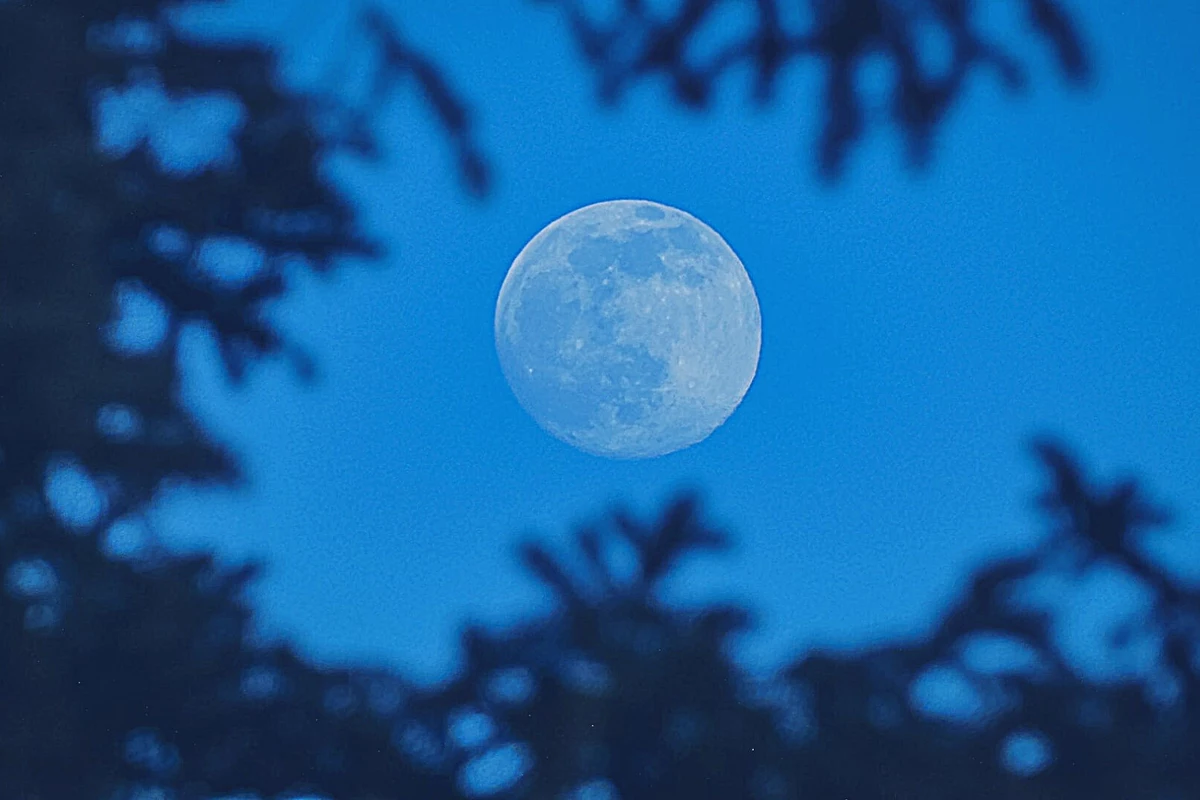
(1044, 274)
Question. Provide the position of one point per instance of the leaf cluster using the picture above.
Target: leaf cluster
(125, 676)
(693, 43)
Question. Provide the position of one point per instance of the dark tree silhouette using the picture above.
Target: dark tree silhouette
(122, 678)
(624, 689)
(126, 677)
(114, 237)
(643, 41)
(100, 227)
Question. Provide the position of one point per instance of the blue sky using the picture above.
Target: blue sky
(1044, 275)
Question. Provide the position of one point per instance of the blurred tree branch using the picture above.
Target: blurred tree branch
(638, 40)
(145, 674)
(99, 215)
(625, 692)
(120, 678)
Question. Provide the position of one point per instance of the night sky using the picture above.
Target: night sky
(1043, 275)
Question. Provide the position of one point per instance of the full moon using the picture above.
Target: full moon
(628, 329)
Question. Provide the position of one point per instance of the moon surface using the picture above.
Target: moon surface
(628, 329)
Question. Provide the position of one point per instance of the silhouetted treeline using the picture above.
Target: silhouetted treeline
(118, 228)
(125, 676)
(699, 41)
(131, 671)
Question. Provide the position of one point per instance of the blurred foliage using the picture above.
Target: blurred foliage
(151, 181)
(138, 676)
(693, 43)
(128, 671)
(631, 693)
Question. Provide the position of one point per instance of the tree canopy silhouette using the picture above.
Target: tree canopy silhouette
(124, 677)
(117, 235)
(689, 45)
